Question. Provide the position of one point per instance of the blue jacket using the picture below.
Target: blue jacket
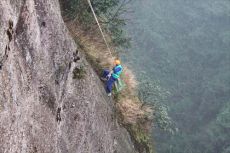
(117, 71)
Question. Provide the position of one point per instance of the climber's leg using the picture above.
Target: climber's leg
(110, 82)
(106, 72)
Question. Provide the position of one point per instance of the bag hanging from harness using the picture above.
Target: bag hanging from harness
(119, 85)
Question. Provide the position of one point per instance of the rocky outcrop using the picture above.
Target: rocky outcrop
(50, 98)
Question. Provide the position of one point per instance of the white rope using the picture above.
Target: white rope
(99, 27)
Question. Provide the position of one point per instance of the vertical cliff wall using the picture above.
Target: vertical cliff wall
(50, 98)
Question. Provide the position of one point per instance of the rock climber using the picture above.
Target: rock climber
(112, 76)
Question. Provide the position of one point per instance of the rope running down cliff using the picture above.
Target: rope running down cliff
(99, 27)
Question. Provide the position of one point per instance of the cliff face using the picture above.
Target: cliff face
(50, 98)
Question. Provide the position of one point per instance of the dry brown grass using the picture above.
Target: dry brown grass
(128, 103)
(128, 77)
(130, 110)
(91, 44)
(128, 106)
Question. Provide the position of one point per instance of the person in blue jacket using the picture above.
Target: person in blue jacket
(112, 76)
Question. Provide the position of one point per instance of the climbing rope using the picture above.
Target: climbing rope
(99, 27)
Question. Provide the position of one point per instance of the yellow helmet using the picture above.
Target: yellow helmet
(117, 62)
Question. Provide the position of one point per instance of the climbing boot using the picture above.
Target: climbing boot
(109, 94)
(103, 79)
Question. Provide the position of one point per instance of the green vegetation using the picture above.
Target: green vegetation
(185, 45)
(79, 73)
(152, 96)
(109, 14)
(142, 142)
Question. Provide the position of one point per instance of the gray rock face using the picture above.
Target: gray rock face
(50, 98)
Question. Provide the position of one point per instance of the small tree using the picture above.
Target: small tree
(109, 13)
(152, 96)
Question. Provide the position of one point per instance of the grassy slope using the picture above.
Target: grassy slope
(129, 113)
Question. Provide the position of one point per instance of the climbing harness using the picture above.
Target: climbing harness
(99, 27)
